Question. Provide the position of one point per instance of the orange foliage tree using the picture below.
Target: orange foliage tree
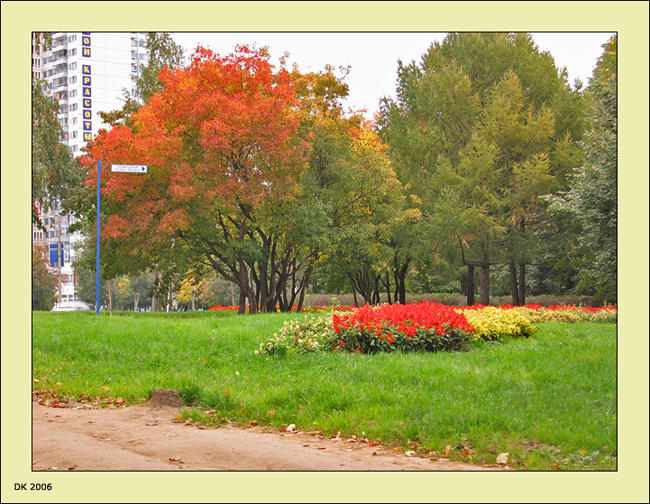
(253, 172)
(221, 144)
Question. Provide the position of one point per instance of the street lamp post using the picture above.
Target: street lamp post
(99, 171)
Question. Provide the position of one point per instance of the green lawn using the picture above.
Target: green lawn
(550, 402)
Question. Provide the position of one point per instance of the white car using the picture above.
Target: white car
(71, 306)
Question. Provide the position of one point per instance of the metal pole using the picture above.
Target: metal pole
(98, 221)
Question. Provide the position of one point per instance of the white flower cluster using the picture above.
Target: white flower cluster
(311, 334)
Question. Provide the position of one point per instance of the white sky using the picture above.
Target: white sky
(373, 57)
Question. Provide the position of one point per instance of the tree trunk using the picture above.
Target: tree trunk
(513, 283)
(110, 297)
(354, 293)
(376, 298)
(387, 285)
(155, 305)
(242, 301)
(400, 279)
(522, 283)
(484, 298)
(470, 285)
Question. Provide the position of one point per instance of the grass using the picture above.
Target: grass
(550, 402)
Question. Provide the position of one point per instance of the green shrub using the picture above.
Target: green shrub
(311, 334)
(391, 339)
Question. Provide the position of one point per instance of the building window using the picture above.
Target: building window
(73, 93)
(72, 52)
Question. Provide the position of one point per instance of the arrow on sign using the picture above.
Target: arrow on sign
(129, 168)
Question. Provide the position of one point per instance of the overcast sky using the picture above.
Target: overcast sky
(372, 57)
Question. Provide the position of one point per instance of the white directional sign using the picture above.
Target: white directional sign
(131, 168)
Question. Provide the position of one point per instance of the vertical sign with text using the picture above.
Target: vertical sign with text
(86, 89)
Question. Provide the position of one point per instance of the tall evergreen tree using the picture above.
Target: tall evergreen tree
(481, 128)
(592, 197)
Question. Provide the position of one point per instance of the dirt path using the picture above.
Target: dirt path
(146, 438)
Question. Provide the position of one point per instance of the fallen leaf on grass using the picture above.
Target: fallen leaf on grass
(502, 458)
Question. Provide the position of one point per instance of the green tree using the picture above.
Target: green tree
(592, 196)
(44, 283)
(55, 172)
(482, 128)
(350, 195)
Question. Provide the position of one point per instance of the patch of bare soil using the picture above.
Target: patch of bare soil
(148, 437)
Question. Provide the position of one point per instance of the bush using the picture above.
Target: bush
(567, 313)
(310, 334)
(492, 323)
(44, 283)
(543, 315)
(392, 339)
(421, 327)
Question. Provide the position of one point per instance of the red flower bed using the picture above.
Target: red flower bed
(422, 326)
(223, 308)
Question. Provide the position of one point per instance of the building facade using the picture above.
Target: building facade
(87, 73)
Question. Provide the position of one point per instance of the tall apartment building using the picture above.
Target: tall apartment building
(87, 73)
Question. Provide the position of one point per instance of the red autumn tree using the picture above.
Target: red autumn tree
(223, 153)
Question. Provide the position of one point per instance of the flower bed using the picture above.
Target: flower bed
(425, 327)
(223, 308)
(422, 326)
(492, 323)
